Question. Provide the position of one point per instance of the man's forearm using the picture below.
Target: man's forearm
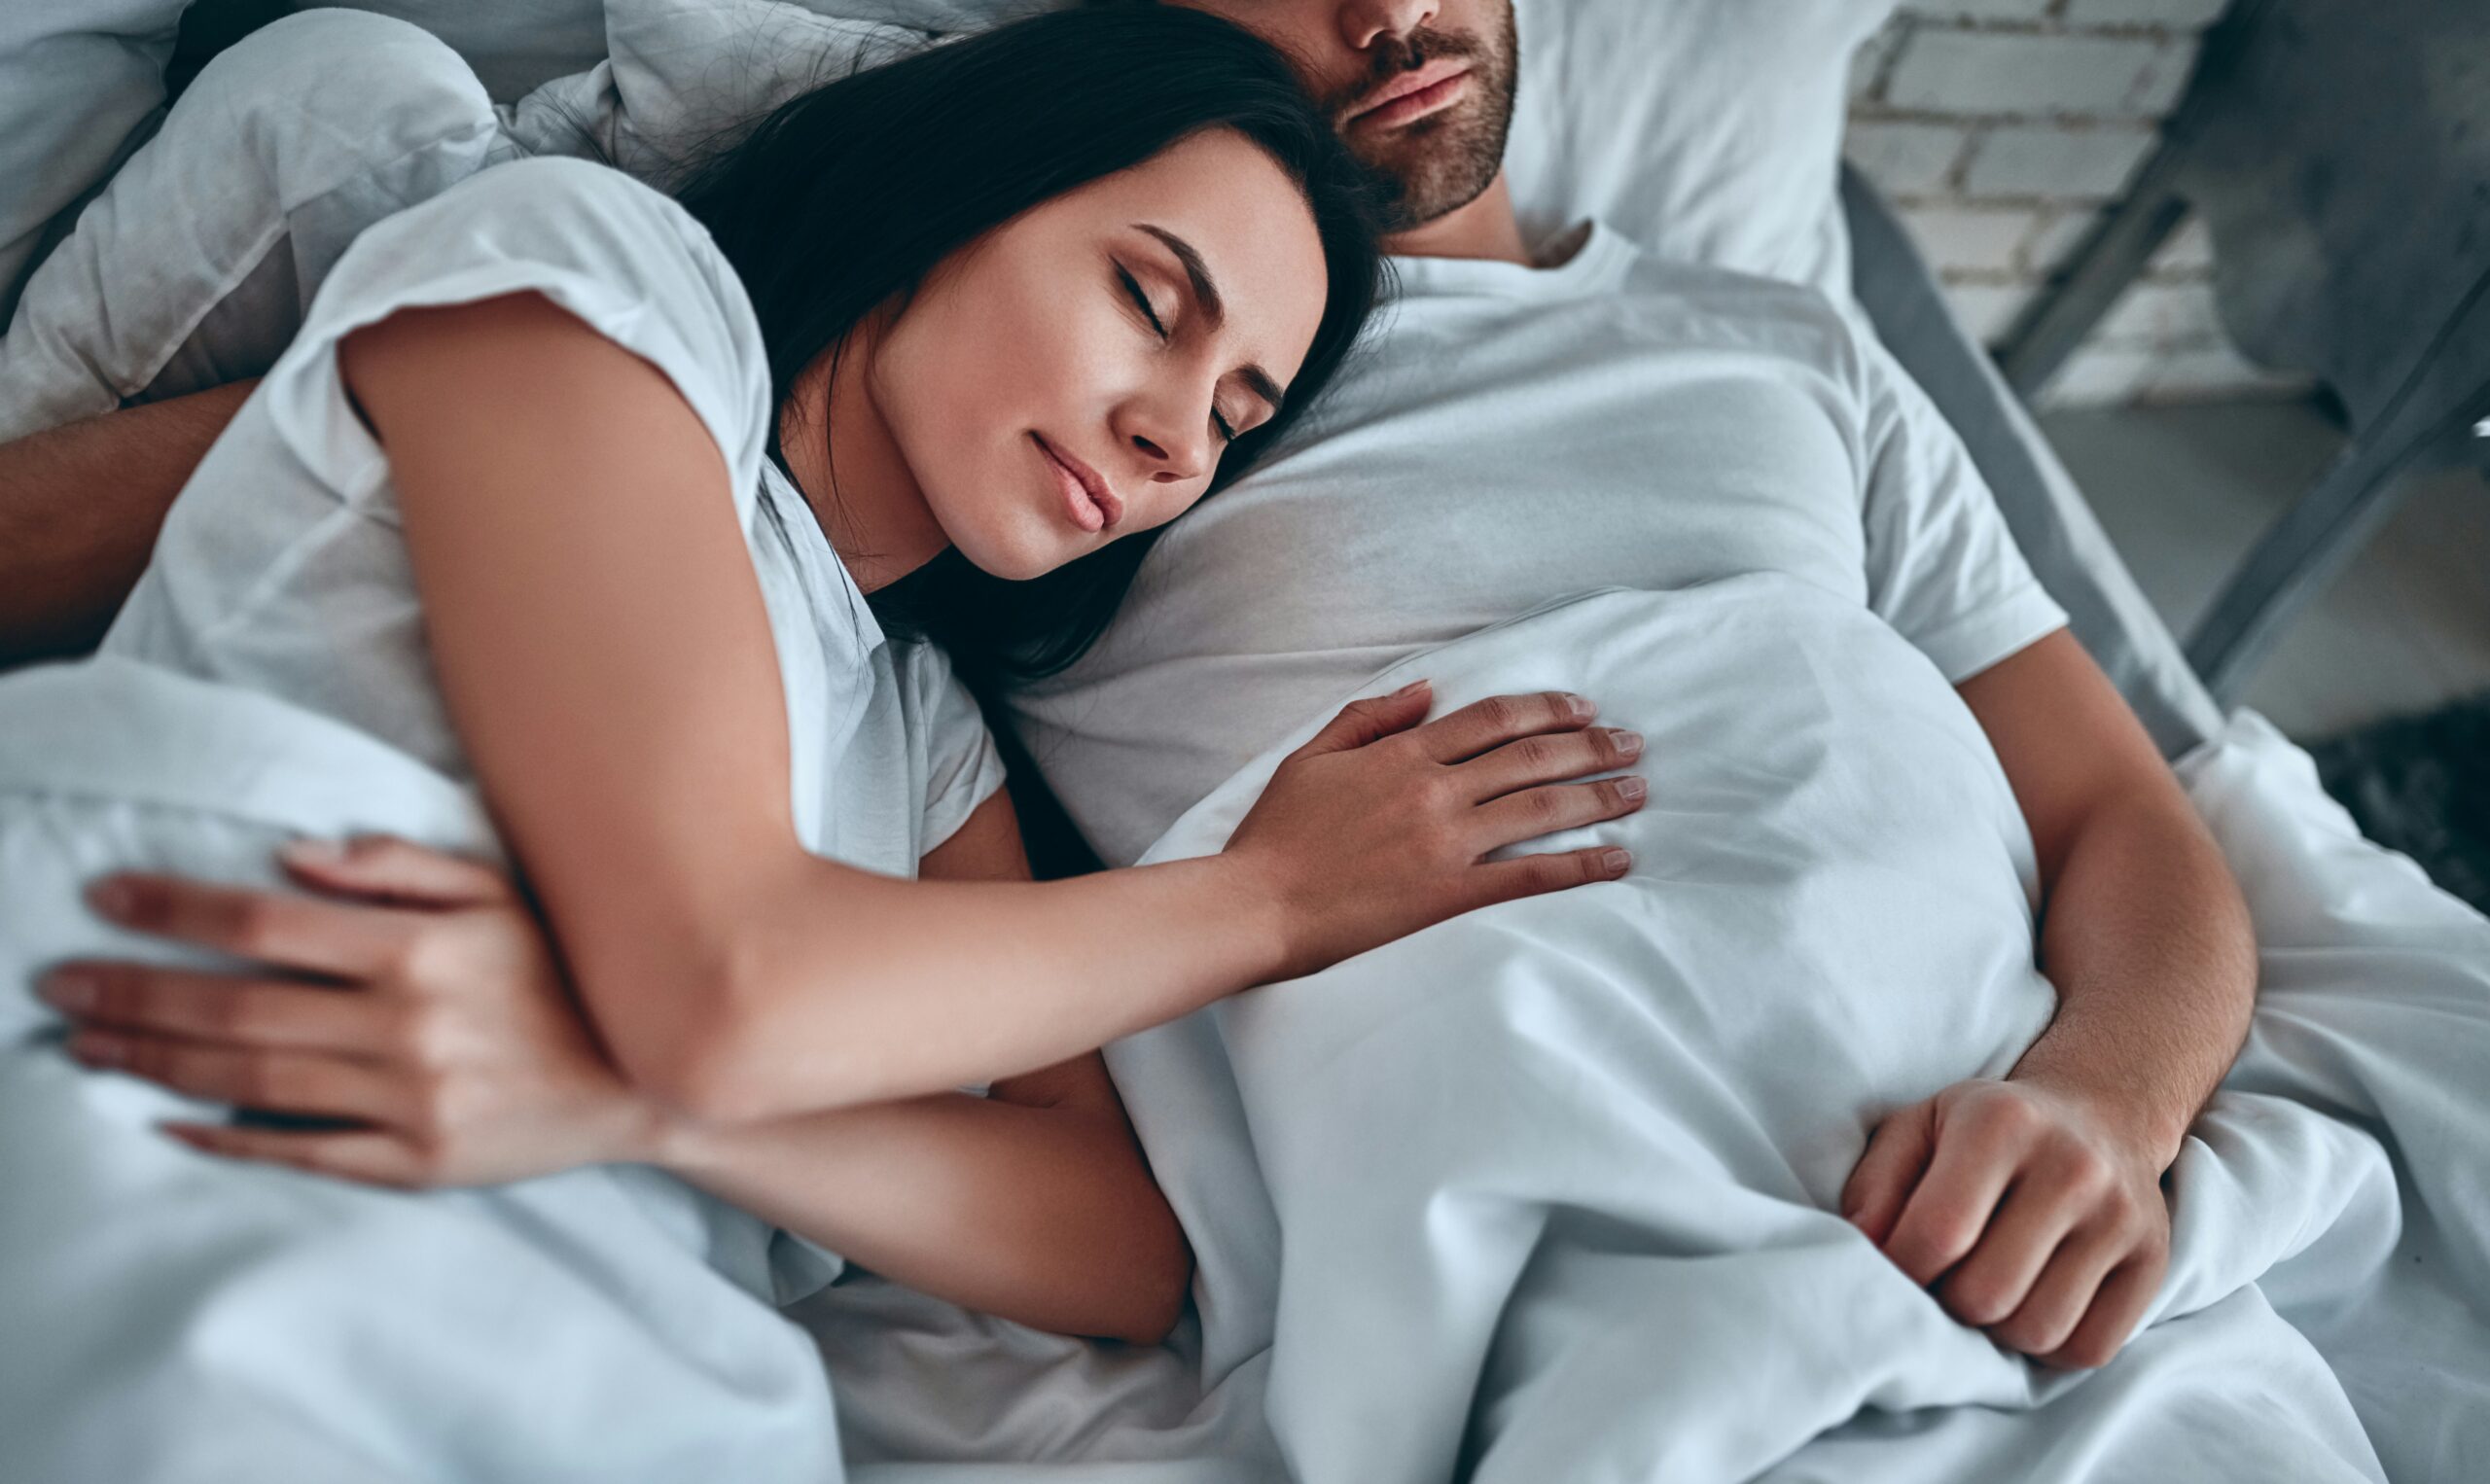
(80, 506)
(2150, 947)
(1045, 1216)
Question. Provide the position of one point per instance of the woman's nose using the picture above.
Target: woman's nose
(1166, 453)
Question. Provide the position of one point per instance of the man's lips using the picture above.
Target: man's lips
(1411, 94)
(1085, 484)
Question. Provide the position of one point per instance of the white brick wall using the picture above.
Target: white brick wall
(2002, 127)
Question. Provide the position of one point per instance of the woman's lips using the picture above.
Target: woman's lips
(1092, 506)
(1414, 96)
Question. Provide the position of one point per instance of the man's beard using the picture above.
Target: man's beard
(1444, 161)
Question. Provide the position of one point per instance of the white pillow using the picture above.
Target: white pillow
(192, 267)
(1706, 131)
(513, 45)
(78, 80)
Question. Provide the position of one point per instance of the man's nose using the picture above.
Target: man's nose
(1364, 22)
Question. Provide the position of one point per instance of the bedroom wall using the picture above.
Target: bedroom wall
(2002, 127)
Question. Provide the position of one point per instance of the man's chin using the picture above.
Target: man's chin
(1431, 201)
(1439, 171)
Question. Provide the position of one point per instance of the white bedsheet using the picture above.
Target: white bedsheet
(1551, 1181)
(165, 1318)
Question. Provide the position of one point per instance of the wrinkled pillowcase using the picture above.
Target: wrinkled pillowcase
(80, 80)
(1706, 131)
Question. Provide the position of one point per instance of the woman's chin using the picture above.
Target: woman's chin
(1018, 554)
(1016, 562)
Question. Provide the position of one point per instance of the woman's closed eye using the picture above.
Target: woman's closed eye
(1227, 430)
(1141, 302)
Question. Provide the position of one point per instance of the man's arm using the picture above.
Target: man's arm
(2143, 932)
(80, 506)
(2037, 1200)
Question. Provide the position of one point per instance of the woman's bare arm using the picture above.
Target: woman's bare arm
(458, 1054)
(80, 506)
(602, 646)
(1034, 1204)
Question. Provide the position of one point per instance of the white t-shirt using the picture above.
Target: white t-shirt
(1509, 436)
(282, 569)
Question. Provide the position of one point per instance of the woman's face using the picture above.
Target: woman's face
(1074, 375)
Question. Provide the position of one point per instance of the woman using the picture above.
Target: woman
(548, 476)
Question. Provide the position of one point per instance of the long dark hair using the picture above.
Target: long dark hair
(851, 194)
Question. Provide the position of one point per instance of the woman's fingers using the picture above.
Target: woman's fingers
(280, 930)
(305, 1082)
(1482, 725)
(220, 1007)
(1534, 812)
(1556, 871)
(1370, 719)
(1548, 758)
(367, 1155)
(384, 869)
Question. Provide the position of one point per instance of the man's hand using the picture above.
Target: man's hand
(2034, 1213)
(416, 1002)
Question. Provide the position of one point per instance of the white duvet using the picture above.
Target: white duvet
(1542, 1193)
(1547, 1192)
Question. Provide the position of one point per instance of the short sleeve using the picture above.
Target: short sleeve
(629, 262)
(963, 766)
(1942, 568)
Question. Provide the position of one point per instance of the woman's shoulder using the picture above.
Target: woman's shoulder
(629, 262)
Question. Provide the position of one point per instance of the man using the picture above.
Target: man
(1531, 424)
(1537, 421)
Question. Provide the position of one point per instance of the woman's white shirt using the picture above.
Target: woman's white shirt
(282, 569)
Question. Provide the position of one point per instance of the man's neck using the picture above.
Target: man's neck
(1485, 229)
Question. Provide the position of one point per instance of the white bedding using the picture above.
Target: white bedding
(1554, 1182)
(170, 1318)
(1551, 1181)
(1538, 1060)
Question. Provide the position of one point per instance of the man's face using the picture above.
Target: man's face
(1420, 90)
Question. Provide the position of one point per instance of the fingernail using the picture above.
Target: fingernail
(1581, 707)
(312, 852)
(1628, 744)
(1617, 861)
(1411, 689)
(69, 989)
(112, 897)
(1633, 788)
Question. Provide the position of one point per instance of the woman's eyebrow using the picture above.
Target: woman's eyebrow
(1213, 308)
(1256, 380)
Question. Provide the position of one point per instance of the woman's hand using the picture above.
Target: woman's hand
(1382, 826)
(423, 1011)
